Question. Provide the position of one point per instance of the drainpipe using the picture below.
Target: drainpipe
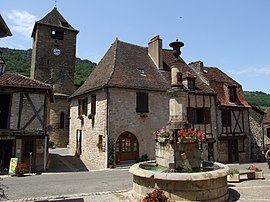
(107, 125)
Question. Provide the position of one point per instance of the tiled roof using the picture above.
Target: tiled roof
(219, 81)
(266, 118)
(20, 81)
(125, 65)
(54, 18)
(4, 30)
(201, 87)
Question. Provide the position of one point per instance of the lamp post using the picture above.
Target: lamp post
(2, 63)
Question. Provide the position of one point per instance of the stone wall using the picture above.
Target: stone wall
(256, 135)
(123, 118)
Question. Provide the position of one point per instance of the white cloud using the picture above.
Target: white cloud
(252, 71)
(23, 22)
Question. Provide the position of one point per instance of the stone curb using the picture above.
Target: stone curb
(62, 197)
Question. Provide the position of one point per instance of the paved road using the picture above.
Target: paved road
(61, 183)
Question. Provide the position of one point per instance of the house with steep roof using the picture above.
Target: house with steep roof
(24, 112)
(239, 125)
(125, 100)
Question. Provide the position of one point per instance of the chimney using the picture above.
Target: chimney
(197, 66)
(155, 51)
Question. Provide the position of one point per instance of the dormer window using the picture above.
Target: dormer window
(232, 93)
(141, 71)
(64, 24)
(191, 84)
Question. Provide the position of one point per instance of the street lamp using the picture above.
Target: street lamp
(2, 63)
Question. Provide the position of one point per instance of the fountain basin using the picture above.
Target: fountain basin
(197, 186)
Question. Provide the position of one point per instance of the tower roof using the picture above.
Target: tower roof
(55, 19)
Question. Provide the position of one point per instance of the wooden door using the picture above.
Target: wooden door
(127, 148)
(29, 153)
(233, 153)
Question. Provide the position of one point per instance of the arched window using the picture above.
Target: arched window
(62, 120)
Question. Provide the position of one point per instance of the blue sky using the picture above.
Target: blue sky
(233, 35)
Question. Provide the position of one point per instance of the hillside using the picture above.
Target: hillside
(20, 61)
(258, 99)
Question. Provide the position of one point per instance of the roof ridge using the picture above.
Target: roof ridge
(28, 78)
(114, 60)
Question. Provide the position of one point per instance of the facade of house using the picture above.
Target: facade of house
(53, 62)
(233, 128)
(23, 120)
(125, 99)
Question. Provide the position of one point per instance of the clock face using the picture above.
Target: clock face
(56, 51)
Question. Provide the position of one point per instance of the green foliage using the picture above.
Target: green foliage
(144, 157)
(19, 61)
(234, 171)
(258, 99)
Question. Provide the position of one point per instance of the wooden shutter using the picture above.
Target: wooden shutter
(93, 103)
(190, 115)
(142, 102)
(207, 115)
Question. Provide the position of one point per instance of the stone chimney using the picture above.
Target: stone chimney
(155, 51)
(197, 66)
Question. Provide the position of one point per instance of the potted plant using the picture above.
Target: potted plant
(80, 117)
(258, 171)
(234, 175)
(99, 146)
(111, 161)
(162, 134)
(91, 116)
(21, 169)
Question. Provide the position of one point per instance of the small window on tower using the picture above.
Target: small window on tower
(56, 34)
(64, 24)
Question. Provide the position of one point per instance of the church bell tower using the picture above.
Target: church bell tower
(53, 62)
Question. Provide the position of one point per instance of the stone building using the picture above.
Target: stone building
(125, 100)
(266, 127)
(233, 128)
(256, 133)
(53, 62)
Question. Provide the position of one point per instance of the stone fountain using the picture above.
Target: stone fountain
(178, 169)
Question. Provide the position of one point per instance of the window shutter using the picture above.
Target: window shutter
(190, 115)
(93, 104)
(142, 102)
(207, 115)
(79, 106)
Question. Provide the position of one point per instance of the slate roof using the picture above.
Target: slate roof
(54, 18)
(14, 80)
(187, 72)
(125, 66)
(218, 81)
(4, 30)
(266, 118)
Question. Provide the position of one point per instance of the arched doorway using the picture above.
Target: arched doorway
(127, 148)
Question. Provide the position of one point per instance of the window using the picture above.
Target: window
(232, 94)
(241, 145)
(82, 106)
(142, 102)
(62, 120)
(198, 115)
(268, 132)
(93, 104)
(226, 117)
(191, 84)
(4, 110)
(64, 24)
(56, 34)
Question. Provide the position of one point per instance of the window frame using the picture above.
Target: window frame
(226, 118)
(82, 106)
(200, 115)
(142, 102)
(57, 34)
(232, 93)
(191, 84)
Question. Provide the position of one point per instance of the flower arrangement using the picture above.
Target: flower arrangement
(21, 169)
(156, 195)
(163, 133)
(189, 135)
(256, 168)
